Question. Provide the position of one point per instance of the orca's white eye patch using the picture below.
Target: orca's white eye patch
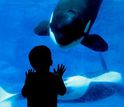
(52, 36)
(51, 32)
(87, 26)
(51, 17)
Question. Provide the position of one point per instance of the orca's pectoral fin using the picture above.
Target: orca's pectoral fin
(42, 28)
(95, 42)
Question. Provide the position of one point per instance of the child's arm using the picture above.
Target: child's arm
(25, 88)
(61, 89)
(27, 85)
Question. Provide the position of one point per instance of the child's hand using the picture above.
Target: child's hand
(60, 70)
(29, 73)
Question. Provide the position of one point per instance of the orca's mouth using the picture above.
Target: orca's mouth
(63, 40)
(67, 41)
(59, 39)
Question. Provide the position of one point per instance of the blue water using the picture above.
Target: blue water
(17, 21)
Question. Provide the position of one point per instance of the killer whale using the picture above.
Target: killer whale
(82, 89)
(71, 22)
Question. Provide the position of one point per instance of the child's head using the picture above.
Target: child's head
(40, 57)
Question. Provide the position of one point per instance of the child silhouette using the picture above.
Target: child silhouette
(41, 86)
